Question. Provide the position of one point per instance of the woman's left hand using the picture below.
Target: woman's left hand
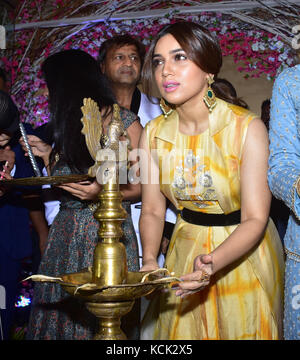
(84, 190)
(198, 279)
(9, 157)
(4, 175)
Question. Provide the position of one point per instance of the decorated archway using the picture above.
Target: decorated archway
(261, 38)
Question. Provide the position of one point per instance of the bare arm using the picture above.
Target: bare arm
(153, 209)
(255, 206)
(255, 198)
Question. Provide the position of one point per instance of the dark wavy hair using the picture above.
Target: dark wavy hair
(199, 44)
(71, 76)
(224, 90)
(265, 112)
(3, 75)
(201, 47)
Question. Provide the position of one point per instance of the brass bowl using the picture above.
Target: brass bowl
(80, 285)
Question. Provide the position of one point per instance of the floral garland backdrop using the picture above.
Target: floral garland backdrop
(256, 51)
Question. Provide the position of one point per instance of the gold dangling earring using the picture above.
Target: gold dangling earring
(167, 110)
(210, 97)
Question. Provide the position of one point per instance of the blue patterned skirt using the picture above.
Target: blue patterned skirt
(292, 299)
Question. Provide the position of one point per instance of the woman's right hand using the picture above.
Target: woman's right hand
(4, 174)
(4, 139)
(8, 156)
(149, 265)
(85, 190)
(38, 147)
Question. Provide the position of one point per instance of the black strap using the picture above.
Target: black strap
(136, 101)
(168, 230)
(204, 219)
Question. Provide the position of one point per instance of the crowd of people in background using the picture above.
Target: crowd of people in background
(226, 223)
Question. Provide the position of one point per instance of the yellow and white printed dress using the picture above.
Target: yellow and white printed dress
(243, 301)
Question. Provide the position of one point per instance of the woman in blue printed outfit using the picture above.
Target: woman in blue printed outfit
(284, 182)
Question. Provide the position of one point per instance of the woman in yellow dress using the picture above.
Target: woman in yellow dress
(209, 157)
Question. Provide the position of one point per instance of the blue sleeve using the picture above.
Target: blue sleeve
(284, 161)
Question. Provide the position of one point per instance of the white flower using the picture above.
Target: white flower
(262, 46)
(190, 160)
(223, 30)
(279, 44)
(164, 21)
(205, 180)
(282, 57)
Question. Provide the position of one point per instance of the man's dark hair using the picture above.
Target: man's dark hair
(118, 42)
(265, 112)
(3, 75)
(9, 114)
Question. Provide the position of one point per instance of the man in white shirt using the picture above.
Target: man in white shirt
(121, 59)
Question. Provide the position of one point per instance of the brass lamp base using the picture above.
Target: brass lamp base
(108, 289)
(109, 303)
(109, 315)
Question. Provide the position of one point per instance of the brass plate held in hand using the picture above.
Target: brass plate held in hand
(44, 180)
